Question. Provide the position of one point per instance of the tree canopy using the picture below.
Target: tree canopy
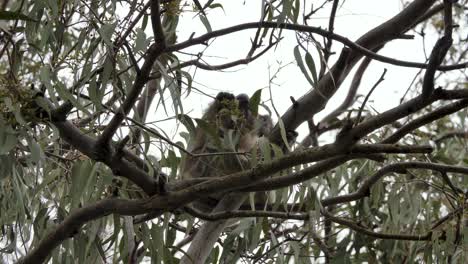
(96, 101)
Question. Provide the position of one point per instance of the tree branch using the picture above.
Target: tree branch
(364, 189)
(85, 144)
(355, 46)
(392, 115)
(425, 119)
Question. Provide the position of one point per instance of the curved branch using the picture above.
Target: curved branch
(435, 59)
(227, 65)
(425, 119)
(85, 144)
(305, 216)
(240, 180)
(363, 230)
(364, 189)
(355, 46)
(301, 176)
(400, 111)
(460, 134)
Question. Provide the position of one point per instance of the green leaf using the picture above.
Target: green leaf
(36, 151)
(295, 11)
(284, 12)
(254, 238)
(6, 166)
(106, 76)
(91, 180)
(283, 134)
(106, 32)
(8, 15)
(217, 5)
(300, 63)
(311, 64)
(20, 195)
(53, 7)
(50, 176)
(94, 93)
(144, 22)
(44, 75)
(265, 148)
(255, 101)
(206, 23)
(140, 41)
(80, 173)
(296, 249)
(189, 79)
(7, 138)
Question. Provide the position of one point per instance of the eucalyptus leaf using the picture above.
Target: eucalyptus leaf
(8, 15)
(255, 101)
(206, 23)
(300, 63)
(7, 138)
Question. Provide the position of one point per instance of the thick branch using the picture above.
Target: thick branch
(158, 31)
(437, 55)
(300, 176)
(85, 144)
(245, 178)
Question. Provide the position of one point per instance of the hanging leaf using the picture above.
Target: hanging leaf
(255, 101)
(311, 65)
(7, 138)
(8, 15)
(141, 41)
(36, 151)
(300, 63)
(187, 122)
(106, 31)
(283, 134)
(81, 171)
(206, 23)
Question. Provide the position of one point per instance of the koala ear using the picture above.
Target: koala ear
(224, 96)
(243, 100)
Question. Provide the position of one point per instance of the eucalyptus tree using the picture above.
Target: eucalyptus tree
(90, 170)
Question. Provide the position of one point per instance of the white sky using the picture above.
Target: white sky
(353, 19)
